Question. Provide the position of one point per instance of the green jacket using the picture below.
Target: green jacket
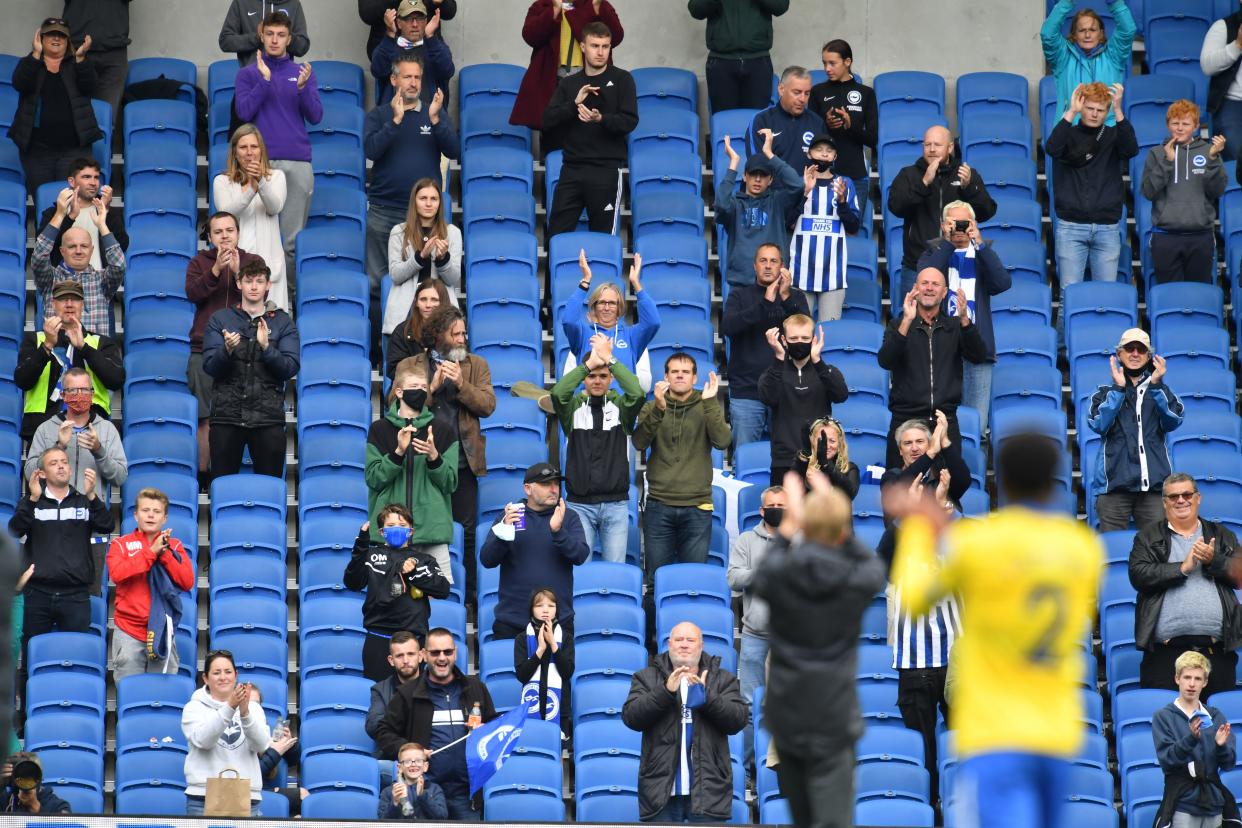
(738, 28)
(679, 441)
(597, 466)
(425, 488)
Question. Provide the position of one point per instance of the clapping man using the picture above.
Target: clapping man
(99, 284)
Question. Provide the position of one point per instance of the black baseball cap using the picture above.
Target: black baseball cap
(823, 138)
(542, 473)
(758, 163)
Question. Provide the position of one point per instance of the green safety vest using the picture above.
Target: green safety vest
(36, 398)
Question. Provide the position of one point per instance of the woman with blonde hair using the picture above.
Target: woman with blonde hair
(424, 246)
(829, 453)
(254, 191)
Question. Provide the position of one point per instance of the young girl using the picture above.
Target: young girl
(412, 795)
(424, 246)
(817, 250)
(544, 660)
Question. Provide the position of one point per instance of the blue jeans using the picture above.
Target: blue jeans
(675, 534)
(750, 664)
(1080, 244)
(977, 390)
(750, 420)
(1017, 790)
(862, 188)
(610, 522)
(677, 810)
(461, 809)
(194, 806)
(1228, 122)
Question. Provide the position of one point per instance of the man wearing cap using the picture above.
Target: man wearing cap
(790, 121)
(1133, 414)
(411, 31)
(818, 252)
(64, 343)
(380, 15)
(536, 543)
(756, 215)
(54, 122)
(97, 285)
(25, 792)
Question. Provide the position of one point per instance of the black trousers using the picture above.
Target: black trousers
(1156, 669)
(1189, 257)
(465, 503)
(919, 693)
(820, 789)
(111, 67)
(266, 444)
(598, 189)
(739, 84)
(892, 459)
(42, 164)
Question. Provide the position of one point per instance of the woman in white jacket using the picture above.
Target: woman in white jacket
(254, 191)
(423, 246)
(224, 729)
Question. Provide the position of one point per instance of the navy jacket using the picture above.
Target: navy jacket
(165, 606)
(791, 134)
(1119, 465)
(402, 154)
(437, 61)
(991, 278)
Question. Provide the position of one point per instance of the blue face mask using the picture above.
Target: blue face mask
(396, 536)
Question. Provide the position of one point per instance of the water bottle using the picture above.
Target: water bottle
(476, 717)
(407, 807)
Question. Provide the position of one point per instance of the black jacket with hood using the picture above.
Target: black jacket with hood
(920, 206)
(395, 600)
(798, 397)
(926, 364)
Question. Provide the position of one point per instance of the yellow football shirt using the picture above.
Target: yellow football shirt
(1028, 582)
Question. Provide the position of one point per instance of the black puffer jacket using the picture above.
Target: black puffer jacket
(926, 364)
(250, 382)
(1151, 574)
(395, 600)
(656, 713)
(79, 79)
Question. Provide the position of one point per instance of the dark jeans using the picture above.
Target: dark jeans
(892, 459)
(675, 534)
(461, 809)
(678, 810)
(465, 511)
(111, 67)
(266, 444)
(46, 611)
(919, 693)
(739, 84)
(42, 164)
(1115, 509)
(1187, 257)
(820, 789)
(597, 188)
(1156, 670)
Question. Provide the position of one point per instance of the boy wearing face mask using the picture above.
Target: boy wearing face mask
(817, 253)
(398, 576)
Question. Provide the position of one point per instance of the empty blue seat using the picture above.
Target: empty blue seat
(330, 804)
(488, 169)
(1185, 341)
(991, 93)
(341, 126)
(659, 169)
(152, 692)
(890, 744)
(1154, 93)
(183, 71)
(221, 80)
(1008, 133)
(487, 125)
(667, 212)
(166, 451)
(1034, 386)
(1005, 174)
(339, 164)
(483, 84)
(339, 772)
(257, 615)
(248, 493)
(1186, 300)
(677, 584)
(329, 248)
(66, 652)
(674, 128)
(337, 205)
(507, 252)
(340, 83)
(158, 118)
(611, 622)
(919, 93)
(335, 696)
(153, 800)
(57, 693)
(666, 86)
(1019, 218)
(1025, 301)
(603, 582)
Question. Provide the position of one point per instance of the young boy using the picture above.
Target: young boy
(1184, 178)
(829, 211)
(143, 640)
(412, 796)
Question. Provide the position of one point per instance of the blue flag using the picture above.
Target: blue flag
(488, 746)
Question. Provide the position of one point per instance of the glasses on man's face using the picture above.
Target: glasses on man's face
(1134, 348)
(412, 763)
(438, 653)
(1173, 497)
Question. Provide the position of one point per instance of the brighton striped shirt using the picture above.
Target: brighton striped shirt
(924, 641)
(817, 252)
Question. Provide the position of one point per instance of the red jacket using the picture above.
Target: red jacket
(129, 559)
(543, 32)
(211, 293)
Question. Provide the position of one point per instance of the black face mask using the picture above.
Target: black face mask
(798, 350)
(1135, 372)
(415, 398)
(773, 515)
(821, 165)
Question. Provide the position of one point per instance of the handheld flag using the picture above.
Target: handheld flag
(488, 746)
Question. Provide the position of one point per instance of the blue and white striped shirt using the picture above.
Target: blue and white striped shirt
(817, 252)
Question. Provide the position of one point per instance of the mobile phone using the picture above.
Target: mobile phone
(962, 226)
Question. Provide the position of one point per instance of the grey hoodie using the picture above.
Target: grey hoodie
(1183, 191)
(744, 557)
(110, 464)
(240, 32)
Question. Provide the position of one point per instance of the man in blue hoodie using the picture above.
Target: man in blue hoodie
(756, 216)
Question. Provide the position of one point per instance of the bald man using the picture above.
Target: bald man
(99, 285)
(921, 190)
(686, 707)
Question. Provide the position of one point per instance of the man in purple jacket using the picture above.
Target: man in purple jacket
(279, 96)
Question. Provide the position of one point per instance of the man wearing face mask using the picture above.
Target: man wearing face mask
(410, 32)
(90, 441)
(799, 387)
(1133, 414)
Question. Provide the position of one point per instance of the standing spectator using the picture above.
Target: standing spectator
(224, 728)
(1183, 570)
(57, 521)
(106, 23)
(1183, 204)
(148, 566)
(685, 775)
(1086, 54)
(398, 575)
(1194, 743)
(792, 125)
(406, 339)
(89, 440)
(925, 456)
(461, 393)
(1133, 415)
(250, 351)
(26, 793)
(380, 15)
(602, 311)
(739, 40)
(242, 30)
(543, 658)
(278, 96)
(411, 33)
(751, 311)
(553, 30)
(848, 108)
(99, 284)
(424, 259)
(925, 350)
(818, 250)
(409, 464)
(590, 115)
(405, 140)
(597, 424)
(828, 453)
(253, 191)
(413, 796)
(54, 122)
(799, 387)
(1220, 60)
(64, 343)
(405, 657)
(920, 191)
(536, 543)
(678, 430)
(84, 180)
(756, 216)
(211, 284)
(745, 554)
(974, 268)
(1089, 159)
(438, 709)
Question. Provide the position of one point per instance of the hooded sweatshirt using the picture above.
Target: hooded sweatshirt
(377, 568)
(240, 32)
(680, 440)
(220, 737)
(423, 486)
(755, 220)
(278, 107)
(1183, 191)
(109, 463)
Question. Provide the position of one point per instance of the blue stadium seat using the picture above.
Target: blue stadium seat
(611, 623)
(604, 582)
(693, 337)
(665, 212)
(484, 84)
(329, 248)
(8, 104)
(1153, 93)
(1186, 300)
(339, 164)
(661, 170)
(680, 295)
(235, 575)
(157, 118)
(167, 451)
(10, 162)
(503, 210)
(890, 744)
(487, 125)
(497, 168)
(339, 772)
(255, 494)
(66, 652)
(147, 769)
(338, 805)
(1089, 815)
(334, 735)
(1025, 301)
(673, 129)
(150, 68)
(867, 383)
(1040, 386)
(509, 253)
(332, 332)
(1005, 174)
(152, 692)
(221, 80)
(679, 584)
(163, 160)
(78, 736)
(1114, 302)
(339, 127)
(154, 800)
(334, 696)
(1186, 342)
(257, 615)
(59, 693)
(1015, 218)
(517, 416)
(600, 700)
(1176, 53)
(917, 93)
(340, 84)
(665, 86)
(991, 93)
(1163, 17)
(863, 298)
(892, 781)
(1008, 133)
(344, 287)
(338, 205)
(865, 424)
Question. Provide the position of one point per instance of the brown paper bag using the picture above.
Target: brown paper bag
(227, 797)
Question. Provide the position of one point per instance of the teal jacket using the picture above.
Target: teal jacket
(1071, 66)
